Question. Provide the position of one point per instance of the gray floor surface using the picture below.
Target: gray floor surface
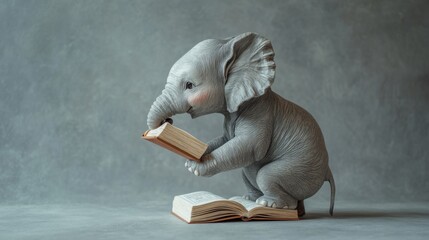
(152, 220)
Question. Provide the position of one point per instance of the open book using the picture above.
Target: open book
(177, 141)
(202, 207)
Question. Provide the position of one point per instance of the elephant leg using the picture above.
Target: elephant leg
(276, 180)
(252, 192)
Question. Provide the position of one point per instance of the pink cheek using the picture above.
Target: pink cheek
(198, 98)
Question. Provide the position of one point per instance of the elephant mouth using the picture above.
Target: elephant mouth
(189, 109)
(191, 112)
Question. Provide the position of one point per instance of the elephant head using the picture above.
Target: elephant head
(216, 75)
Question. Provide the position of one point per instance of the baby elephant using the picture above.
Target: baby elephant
(278, 144)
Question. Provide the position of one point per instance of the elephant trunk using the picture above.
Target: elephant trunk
(165, 106)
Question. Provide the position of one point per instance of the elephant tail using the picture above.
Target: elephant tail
(330, 178)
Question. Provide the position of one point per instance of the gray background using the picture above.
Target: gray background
(77, 79)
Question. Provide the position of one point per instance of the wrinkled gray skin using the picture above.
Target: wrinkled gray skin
(278, 144)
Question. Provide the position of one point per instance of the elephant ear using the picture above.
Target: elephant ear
(249, 68)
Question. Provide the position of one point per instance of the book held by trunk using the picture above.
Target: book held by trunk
(177, 141)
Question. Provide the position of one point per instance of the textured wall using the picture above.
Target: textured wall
(77, 79)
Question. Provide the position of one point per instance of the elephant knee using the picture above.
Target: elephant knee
(268, 181)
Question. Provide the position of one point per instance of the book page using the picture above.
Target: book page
(201, 197)
(249, 205)
(155, 132)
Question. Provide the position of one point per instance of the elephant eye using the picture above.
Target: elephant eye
(189, 85)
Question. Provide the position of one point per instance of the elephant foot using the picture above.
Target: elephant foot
(301, 208)
(272, 202)
(252, 196)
